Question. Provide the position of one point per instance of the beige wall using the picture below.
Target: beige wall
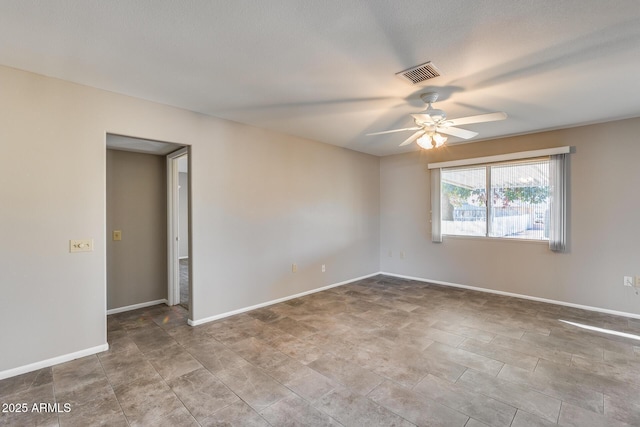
(603, 222)
(260, 202)
(136, 205)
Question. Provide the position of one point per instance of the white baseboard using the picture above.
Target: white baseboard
(275, 301)
(137, 306)
(53, 361)
(510, 294)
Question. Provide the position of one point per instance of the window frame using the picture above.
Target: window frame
(558, 175)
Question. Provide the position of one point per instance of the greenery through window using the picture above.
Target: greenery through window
(507, 200)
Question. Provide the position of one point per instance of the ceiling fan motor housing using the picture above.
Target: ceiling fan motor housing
(429, 97)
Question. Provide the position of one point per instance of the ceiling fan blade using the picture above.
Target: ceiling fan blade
(480, 118)
(394, 130)
(460, 133)
(412, 138)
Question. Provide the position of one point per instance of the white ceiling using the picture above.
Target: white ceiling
(325, 70)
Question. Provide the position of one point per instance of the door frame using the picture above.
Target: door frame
(173, 224)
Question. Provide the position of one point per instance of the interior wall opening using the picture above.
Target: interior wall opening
(143, 266)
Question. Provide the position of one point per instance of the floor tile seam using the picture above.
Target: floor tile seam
(586, 384)
(189, 411)
(614, 365)
(474, 326)
(222, 408)
(593, 337)
(498, 360)
(148, 357)
(613, 417)
(514, 416)
(131, 380)
(10, 397)
(535, 416)
(252, 408)
(35, 377)
(600, 375)
(304, 376)
(221, 382)
(310, 402)
(228, 386)
(114, 393)
(447, 400)
(282, 398)
(120, 405)
(622, 358)
(411, 390)
(161, 379)
(252, 363)
(457, 362)
(434, 326)
(550, 347)
(610, 396)
(587, 354)
(157, 417)
(515, 408)
(529, 354)
(513, 404)
(30, 416)
(340, 383)
(561, 399)
(560, 412)
(519, 408)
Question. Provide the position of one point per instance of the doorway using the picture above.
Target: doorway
(178, 222)
(146, 274)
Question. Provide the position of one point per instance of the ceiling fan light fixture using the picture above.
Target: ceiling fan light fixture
(439, 139)
(431, 140)
(425, 142)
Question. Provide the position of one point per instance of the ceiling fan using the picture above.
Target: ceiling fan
(432, 123)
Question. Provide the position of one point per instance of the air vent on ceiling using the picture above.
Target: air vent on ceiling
(419, 73)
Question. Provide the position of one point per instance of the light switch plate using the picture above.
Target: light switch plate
(117, 234)
(81, 245)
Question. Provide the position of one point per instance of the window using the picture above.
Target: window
(517, 206)
(510, 196)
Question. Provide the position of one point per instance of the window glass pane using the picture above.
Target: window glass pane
(520, 200)
(463, 201)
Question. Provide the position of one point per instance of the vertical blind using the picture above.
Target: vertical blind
(558, 220)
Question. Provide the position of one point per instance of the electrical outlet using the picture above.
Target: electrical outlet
(117, 234)
(324, 268)
(628, 281)
(294, 268)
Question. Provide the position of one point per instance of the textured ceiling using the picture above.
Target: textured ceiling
(325, 70)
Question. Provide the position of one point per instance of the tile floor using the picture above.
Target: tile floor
(184, 283)
(378, 352)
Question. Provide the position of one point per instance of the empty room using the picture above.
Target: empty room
(311, 213)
